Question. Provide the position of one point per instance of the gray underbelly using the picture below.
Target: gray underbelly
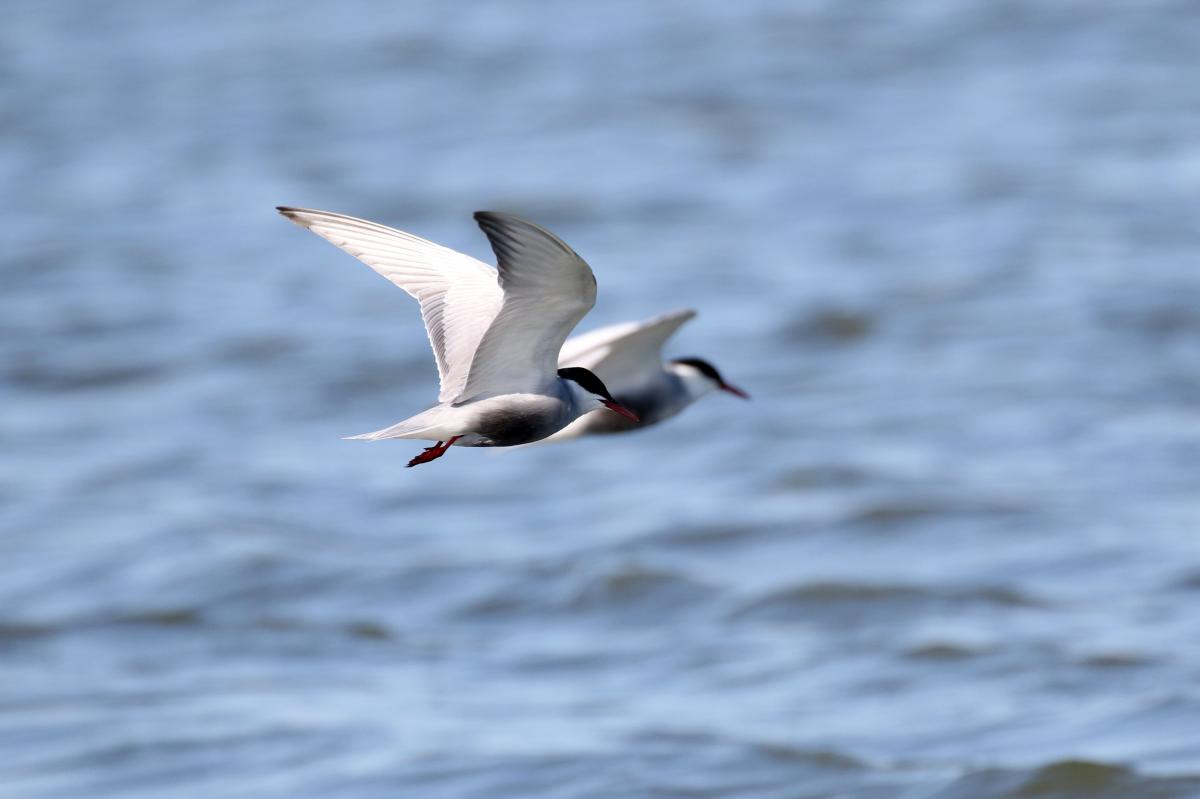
(605, 421)
(511, 427)
(651, 409)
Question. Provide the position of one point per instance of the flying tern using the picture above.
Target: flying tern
(628, 358)
(496, 333)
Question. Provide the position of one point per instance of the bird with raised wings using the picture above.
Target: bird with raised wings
(628, 358)
(496, 333)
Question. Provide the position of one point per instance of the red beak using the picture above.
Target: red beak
(735, 391)
(621, 409)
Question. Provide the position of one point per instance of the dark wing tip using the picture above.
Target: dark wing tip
(493, 223)
(507, 234)
(503, 218)
(506, 231)
(294, 215)
(488, 217)
(499, 221)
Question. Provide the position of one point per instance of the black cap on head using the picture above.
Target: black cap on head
(704, 367)
(587, 381)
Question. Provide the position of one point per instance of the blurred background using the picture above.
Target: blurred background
(949, 550)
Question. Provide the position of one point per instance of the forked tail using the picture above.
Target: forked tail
(405, 429)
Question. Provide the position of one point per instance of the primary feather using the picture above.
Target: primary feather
(547, 289)
(493, 331)
(624, 355)
(459, 296)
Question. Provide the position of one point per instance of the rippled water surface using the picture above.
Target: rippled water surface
(950, 550)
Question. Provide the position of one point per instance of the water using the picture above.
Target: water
(948, 551)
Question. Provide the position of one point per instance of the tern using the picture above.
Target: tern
(496, 333)
(628, 358)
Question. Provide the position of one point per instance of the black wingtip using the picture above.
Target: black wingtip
(495, 222)
(292, 214)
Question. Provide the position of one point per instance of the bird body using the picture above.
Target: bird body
(496, 333)
(628, 358)
(653, 401)
(505, 420)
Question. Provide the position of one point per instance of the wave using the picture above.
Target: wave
(1069, 779)
(815, 599)
(620, 589)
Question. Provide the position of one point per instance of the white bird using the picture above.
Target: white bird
(496, 333)
(628, 358)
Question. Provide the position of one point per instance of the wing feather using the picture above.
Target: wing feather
(547, 289)
(624, 355)
(459, 296)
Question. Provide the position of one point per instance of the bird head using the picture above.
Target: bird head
(701, 377)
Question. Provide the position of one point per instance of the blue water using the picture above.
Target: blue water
(950, 549)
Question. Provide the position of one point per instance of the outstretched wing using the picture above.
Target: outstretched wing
(459, 296)
(547, 290)
(625, 355)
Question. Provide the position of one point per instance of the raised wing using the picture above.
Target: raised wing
(547, 290)
(459, 295)
(624, 355)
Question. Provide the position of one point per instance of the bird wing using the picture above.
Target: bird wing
(624, 355)
(547, 290)
(459, 296)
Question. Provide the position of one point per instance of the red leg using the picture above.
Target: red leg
(434, 452)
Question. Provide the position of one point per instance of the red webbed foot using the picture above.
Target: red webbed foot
(434, 452)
